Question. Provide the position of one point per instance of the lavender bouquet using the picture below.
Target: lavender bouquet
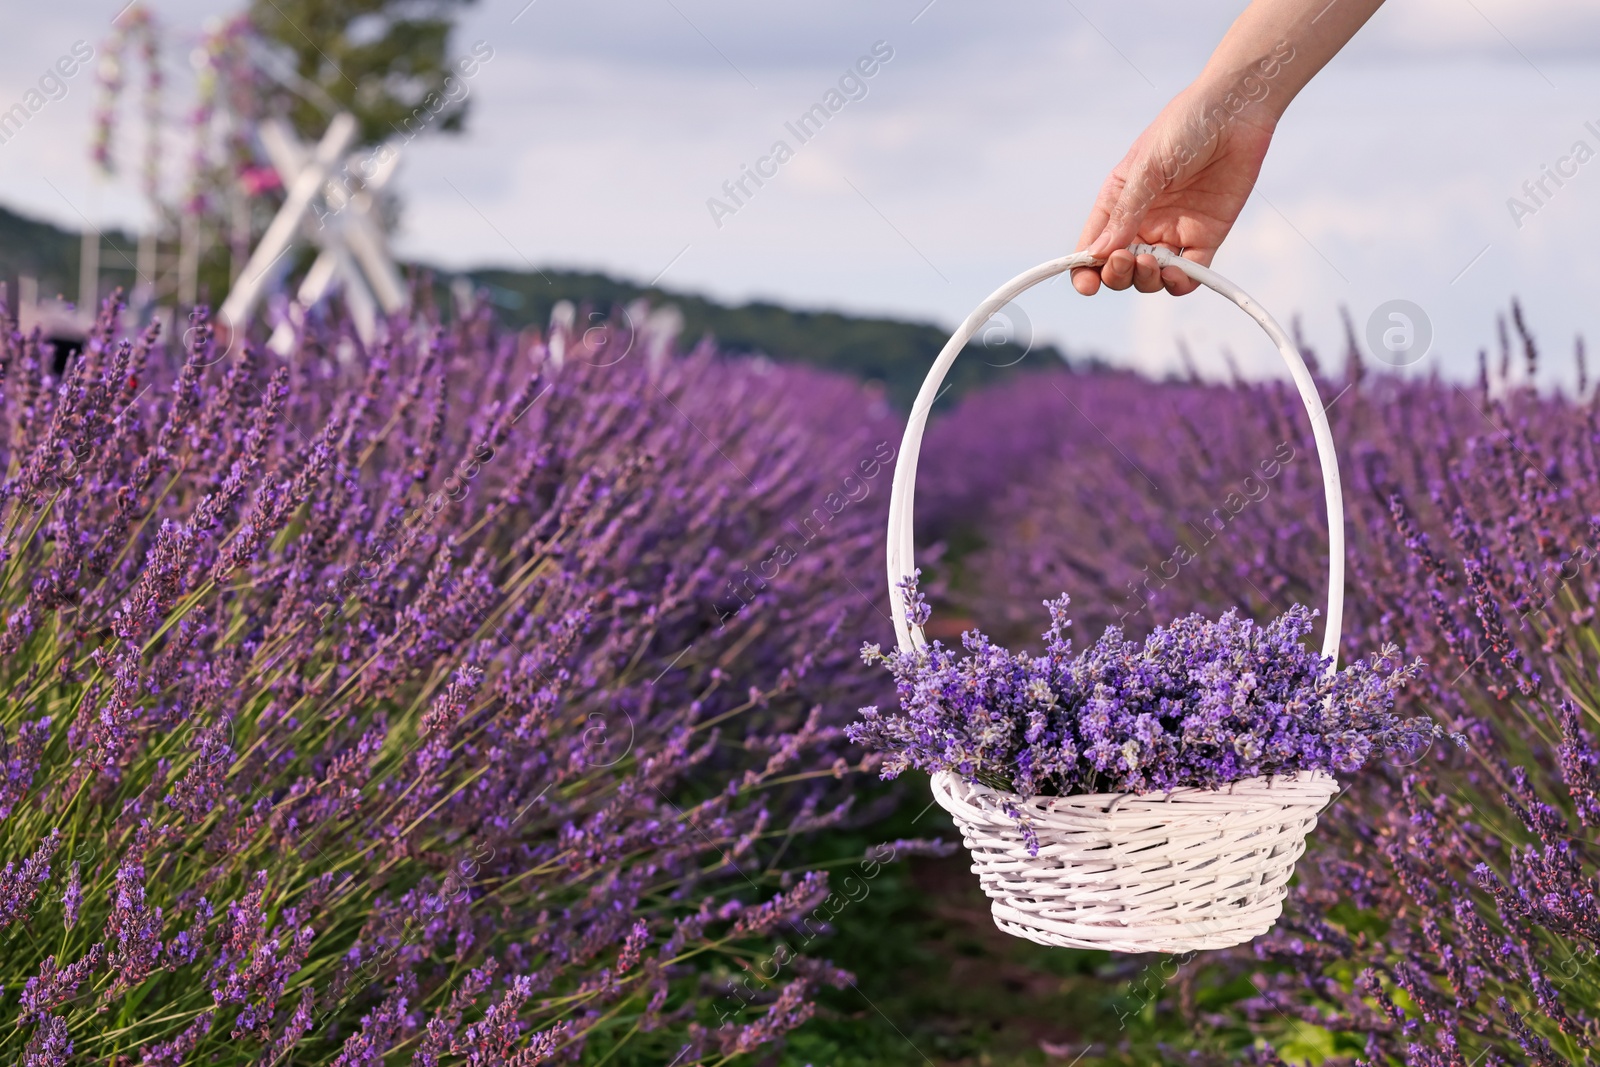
(1198, 703)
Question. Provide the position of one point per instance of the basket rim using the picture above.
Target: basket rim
(947, 783)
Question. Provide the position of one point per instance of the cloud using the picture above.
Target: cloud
(602, 127)
(1508, 30)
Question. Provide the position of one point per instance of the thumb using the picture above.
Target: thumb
(1122, 225)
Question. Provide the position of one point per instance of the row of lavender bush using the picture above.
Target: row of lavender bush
(475, 699)
(1448, 912)
(469, 700)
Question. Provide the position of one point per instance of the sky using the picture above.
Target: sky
(601, 130)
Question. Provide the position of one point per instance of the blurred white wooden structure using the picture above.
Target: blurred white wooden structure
(333, 208)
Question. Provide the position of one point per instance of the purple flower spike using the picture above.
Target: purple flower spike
(1198, 703)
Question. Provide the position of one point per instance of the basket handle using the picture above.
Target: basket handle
(901, 549)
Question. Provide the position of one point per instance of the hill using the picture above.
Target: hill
(894, 351)
(45, 251)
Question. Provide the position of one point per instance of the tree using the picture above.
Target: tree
(381, 60)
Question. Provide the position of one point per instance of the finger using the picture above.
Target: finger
(1097, 221)
(1118, 271)
(1180, 283)
(1122, 223)
(1087, 280)
(1118, 233)
(1147, 274)
(1104, 201)
(1176, 282)
(1200, 254)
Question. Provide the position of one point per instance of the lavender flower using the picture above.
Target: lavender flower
(50, 1046)
(505, 749)
(20, 883)
(72, 895)
(1463, 884)
(1198, 703)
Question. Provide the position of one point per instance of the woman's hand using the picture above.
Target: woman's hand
(1182, 186)
(1185, 180)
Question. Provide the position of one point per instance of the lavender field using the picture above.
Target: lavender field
(406, 707)
(480, 698)
(1447, 913)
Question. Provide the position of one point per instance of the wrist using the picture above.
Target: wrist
(1257, 86)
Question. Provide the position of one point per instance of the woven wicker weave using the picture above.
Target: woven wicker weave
(1165, 872)
(1193, 869)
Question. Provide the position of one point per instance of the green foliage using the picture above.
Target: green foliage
(893, 351)
(937, 983)
(379, 59)
(51, 254)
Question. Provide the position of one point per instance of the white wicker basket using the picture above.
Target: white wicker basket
(1166, 872)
